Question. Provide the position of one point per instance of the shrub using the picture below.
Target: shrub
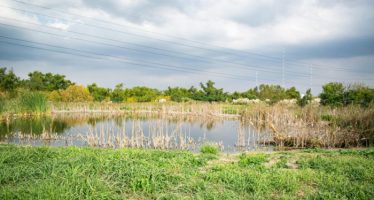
(209, 149)
(332, 94)
(307, 98)
(76, 93)
(98, 93)
(55, 96)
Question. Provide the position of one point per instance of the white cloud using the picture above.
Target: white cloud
(59, 25)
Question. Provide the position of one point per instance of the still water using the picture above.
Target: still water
(118, 131)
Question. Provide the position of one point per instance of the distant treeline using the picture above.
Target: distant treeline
(58, 88)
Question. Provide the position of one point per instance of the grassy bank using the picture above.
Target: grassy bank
(89, 173)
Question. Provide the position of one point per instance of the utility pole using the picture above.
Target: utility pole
(283, 60)
(256, 79)
(311, 76)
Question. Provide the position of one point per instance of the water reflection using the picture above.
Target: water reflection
(141, 131)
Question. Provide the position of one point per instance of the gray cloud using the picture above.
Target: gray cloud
(257, 27)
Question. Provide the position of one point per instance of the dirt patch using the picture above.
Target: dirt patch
(222, 160)
(273, 160)
(291, 164)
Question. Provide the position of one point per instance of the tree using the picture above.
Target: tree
(359, 94)
(306, 99)
(56, 82)
(178, 94)
(118, 94)
(98, 93)
(274, 93)
(251, 93)
(46, 82)
(292, 93)
(209, 93)
(76, 93)
(8, 80)
(332, 94)
(36, 81)
(143, 94)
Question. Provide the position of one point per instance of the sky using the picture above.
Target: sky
(159, 43)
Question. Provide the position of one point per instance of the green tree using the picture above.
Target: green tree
(274, 93)
(98, 93)
(178, 94)
(143, 94)
(292, 93)
(56, 82)
(8, 80)
(46, 82)
(359, 94)
(306, 99)
(251, 93)
(209, 93)
(118, 94)
(332, 94)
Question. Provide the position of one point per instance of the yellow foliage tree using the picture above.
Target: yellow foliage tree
(76, 93)
(55, 96)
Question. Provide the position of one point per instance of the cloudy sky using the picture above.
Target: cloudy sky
(157, 43)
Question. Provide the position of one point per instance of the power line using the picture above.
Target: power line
(84, 54)
(74, 38)
(246, 67)
(134, 34)
(191, 55)
(112, 58)
(175, 37)
(283, 67)
(143, 30)
(204, 48)
(122, 59)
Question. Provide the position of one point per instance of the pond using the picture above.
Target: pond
(138, 131)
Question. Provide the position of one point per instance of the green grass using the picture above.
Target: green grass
(252, 159)
(209, 149)
(33, 102)
(89, 173)
(26, 102)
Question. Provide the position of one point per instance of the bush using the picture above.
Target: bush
(33, 102)
(76, 93)
(55, 96)
(332, 94)
(209, 149)
(99, 93)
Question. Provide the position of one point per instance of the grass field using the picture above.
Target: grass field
(89, 173)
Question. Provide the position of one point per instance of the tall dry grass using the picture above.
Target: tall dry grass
(313, 126)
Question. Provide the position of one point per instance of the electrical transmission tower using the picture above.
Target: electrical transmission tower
(283, 63)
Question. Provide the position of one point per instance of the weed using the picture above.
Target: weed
(209, 149)
(252, 159)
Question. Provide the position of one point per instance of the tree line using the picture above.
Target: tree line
(58, 88)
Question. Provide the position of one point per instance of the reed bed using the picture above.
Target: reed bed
(166, 132)
(313, 126)
(192, 108)
(260, 125)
